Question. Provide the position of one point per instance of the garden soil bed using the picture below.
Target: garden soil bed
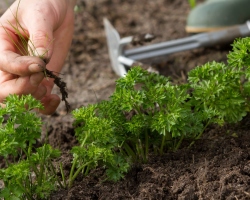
(215, 167)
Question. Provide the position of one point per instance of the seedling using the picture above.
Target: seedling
(148, 113)
(26, 47)
(28, 172)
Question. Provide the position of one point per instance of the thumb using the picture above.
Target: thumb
(40, 22)
(41, 43)
(39, 19)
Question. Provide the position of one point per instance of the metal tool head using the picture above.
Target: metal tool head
(115, 47)
(121, 58)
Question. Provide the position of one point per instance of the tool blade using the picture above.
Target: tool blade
(113, 40)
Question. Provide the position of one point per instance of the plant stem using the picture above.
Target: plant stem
(63, 176)
(26, 153)
(85, 138)
(54, 173)
(42, 166)
(129, 151)
(146, 146)
(200, 134)
(27, 193)
(87, 170)
(162, 144)
(72, 170)
(179, 143)
(141, 151)
(41, 173)
(166, 137)
(76, 158)
(29, 149)
(73, 177)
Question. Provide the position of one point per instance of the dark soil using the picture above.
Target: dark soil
(215, 167)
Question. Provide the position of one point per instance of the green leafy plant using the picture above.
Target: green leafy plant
(29, 172)
(148, 113)
(99, 144)
(145, 112)
(158, 111)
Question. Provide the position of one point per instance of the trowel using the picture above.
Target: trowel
(122, 58)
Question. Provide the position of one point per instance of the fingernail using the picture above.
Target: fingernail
(36, 79)
(35, 68)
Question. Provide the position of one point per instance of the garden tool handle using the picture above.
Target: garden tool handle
(200, 40)
(226, 36)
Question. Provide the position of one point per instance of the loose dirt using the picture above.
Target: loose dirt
(215, 167)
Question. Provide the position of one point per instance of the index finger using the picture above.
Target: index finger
(10, 59)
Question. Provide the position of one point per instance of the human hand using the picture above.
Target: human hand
(49, 25)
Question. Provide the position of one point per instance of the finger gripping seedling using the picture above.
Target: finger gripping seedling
(26, 47)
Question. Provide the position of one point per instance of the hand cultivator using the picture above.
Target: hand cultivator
(122, 58)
